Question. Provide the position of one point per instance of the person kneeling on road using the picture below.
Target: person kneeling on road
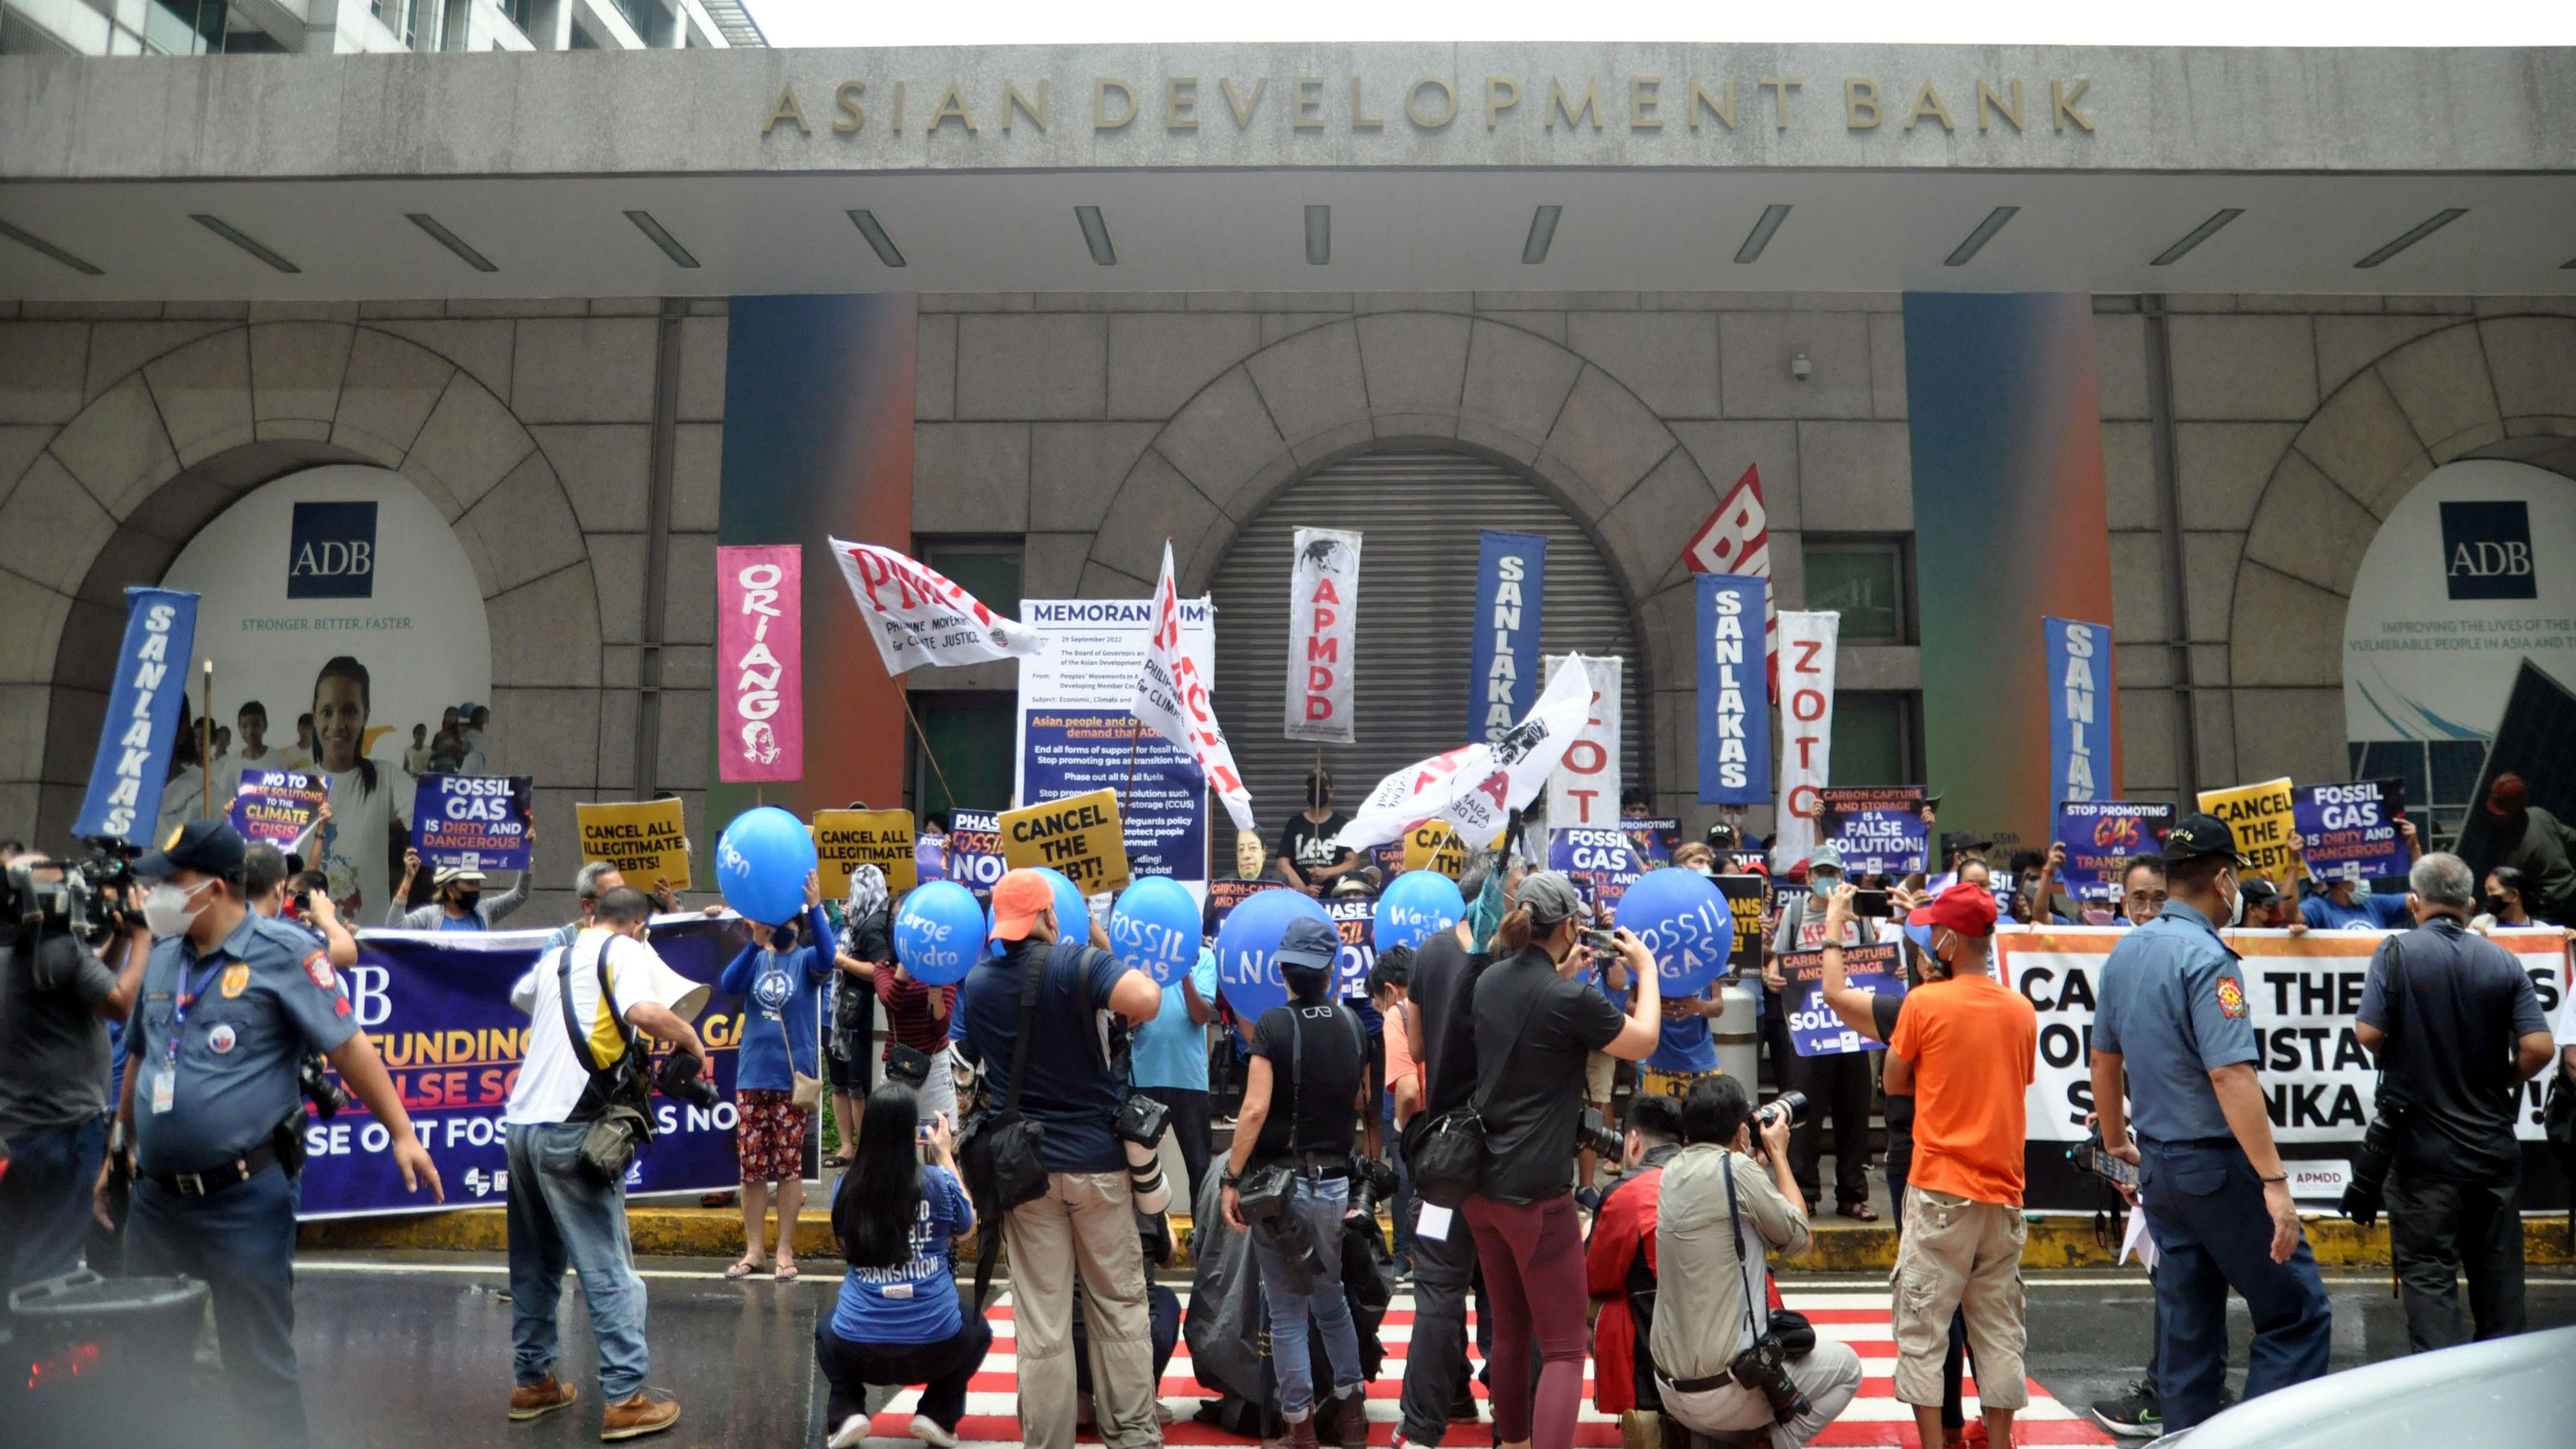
(1722, 1368)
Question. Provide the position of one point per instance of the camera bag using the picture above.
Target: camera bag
(998, 1152)
(1448, 1163)
(613, 1104)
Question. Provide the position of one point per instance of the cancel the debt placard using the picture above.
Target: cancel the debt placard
(1077, 835)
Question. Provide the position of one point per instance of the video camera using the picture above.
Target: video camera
(90, 901)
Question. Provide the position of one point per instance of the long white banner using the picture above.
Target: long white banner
(1583, 792)
(2303, 994)
(1323, 635)
(1806, 729)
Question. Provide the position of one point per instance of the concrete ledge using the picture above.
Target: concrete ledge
(2056, 1242)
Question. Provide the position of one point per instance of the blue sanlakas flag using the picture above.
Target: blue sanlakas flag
(1734, 718)
(1511, 590)
(151, 682)
(2081, 713)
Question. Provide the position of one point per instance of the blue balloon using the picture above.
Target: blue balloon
(762, 860)
(1247, 948)
(1685, 921)
(1155, 928)
(939, 933)
(1414, 906)
(1071, 913)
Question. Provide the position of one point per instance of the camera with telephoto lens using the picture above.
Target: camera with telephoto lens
(1373, 1181)
(1592, 1134)
(1764, 1369)
(2362, 1197)
(1266, 1198)
(682, 1078)
(329, 1098)
(1792, 1104)
(1141, 1120)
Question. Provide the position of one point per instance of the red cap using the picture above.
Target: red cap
(1964, 907)
(2507, 796)
(1017, 899)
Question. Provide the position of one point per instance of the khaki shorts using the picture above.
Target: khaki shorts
(1963, 1256)
(1598, 1071)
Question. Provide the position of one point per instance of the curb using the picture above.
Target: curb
(2056, 1241)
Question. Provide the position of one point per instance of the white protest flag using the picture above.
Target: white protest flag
(1172, 700)
(917, 616)
(1806, 730)
(1323, 634)
(1476, 787)
(1583, 794)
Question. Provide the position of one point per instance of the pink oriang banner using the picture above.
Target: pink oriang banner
(760, 663)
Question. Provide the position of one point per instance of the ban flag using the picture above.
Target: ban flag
(1737, 540)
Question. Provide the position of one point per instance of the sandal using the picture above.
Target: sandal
(786, 1273)
(742, 1270)
(1859, 1212)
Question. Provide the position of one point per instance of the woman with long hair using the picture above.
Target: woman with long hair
(369, 825)
(1537, 1022)
(898, 1320)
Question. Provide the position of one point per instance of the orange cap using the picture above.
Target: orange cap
(1017, 899)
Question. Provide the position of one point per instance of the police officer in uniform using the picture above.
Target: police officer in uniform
(2172, 1028)
(211, 1121)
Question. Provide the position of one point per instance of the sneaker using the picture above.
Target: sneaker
(852, 1433)
(637, 1415)
(541, 1398)
(1350, 1419)
(927, 1430)
(1301, 1433)
(2135, 1414)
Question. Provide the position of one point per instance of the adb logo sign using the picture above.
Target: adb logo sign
(2486, 551)
(332, 551)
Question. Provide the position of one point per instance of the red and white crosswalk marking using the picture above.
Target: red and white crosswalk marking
(1859, 1319)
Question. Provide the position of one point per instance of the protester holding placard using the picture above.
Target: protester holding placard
(456, 898)
(2340, 905)
(1835, 1082)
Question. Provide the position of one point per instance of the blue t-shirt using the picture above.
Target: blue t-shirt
(782, 1002)
(2172, 1001)
(1070, 1089)
(916, 1300)
(1171, 1050)
(460, 923)
(1683, 1046)
(2372, 912)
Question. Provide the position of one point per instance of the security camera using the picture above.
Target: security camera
(1800, 368)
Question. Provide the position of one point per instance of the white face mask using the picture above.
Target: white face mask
(2236, 900)
(165, 908)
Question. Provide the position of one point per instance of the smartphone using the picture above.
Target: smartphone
(1870, 903)
(2090, 1157)
(1601, 940)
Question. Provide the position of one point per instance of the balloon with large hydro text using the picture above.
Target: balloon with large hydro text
(762, 860)
(1071, 914)
(1154, 928)
(1414, 906)
(1684, 920)
(939, 933)
(1246, 944)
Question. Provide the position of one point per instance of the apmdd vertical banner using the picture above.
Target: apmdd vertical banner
(1511, 590)
(1734, 728)
(2083, 713)
(142, 714)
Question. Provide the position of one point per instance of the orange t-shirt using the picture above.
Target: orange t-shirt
(1974, 1043)
(1399, 1052)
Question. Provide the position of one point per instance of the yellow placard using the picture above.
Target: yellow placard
(847, 838)
(648, 841)
(1077, 835)
(2260, 817)
(1432, 845)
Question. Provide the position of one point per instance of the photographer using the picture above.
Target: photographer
(1083, 1221)
(1722, 1368)
(1536, 1022)
(1619, 1260)
(564, 1210)
(57, 996)
(214, 1112)
(302, 899)
(1296, 1170)
(2457, 1029)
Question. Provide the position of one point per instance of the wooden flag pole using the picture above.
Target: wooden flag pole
(1135, 736)
(926, 752)
(206, 743)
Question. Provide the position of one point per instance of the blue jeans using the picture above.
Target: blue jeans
(1319, 1203)
(44, 1201)
(241, 1241)
(2205, 1207)
(559, 1217)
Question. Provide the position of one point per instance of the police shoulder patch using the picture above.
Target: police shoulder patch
(2231, 997)
(318, 967)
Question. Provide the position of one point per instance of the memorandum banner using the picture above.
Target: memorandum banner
(1078, 729)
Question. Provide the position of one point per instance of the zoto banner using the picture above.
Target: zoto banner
(1078, 732)
(275, 807)
(2263, 821)
(1323, 635)
(1806, 729)
(1734, 729)
(2101, 837)
(648, 841)
(133, 762)
(479, 821)
(975, 850)
(2083, 713)
(1814, 1030)
(437, 1006)
(2303, 995)
(2351, 830)
(844, 839)
(760, 655)
(1511, 591)
(1583, 793)
(1878, 830)
(1077, 836)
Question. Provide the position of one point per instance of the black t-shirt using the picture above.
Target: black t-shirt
(1900, 1105)
(1444, 975)
(1308, 845)
(1317, 1098)
(1534, 1031)
(2451, 1050)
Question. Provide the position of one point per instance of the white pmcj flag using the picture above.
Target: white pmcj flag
(1172, 700)
(916, 616)
(1477, 787)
